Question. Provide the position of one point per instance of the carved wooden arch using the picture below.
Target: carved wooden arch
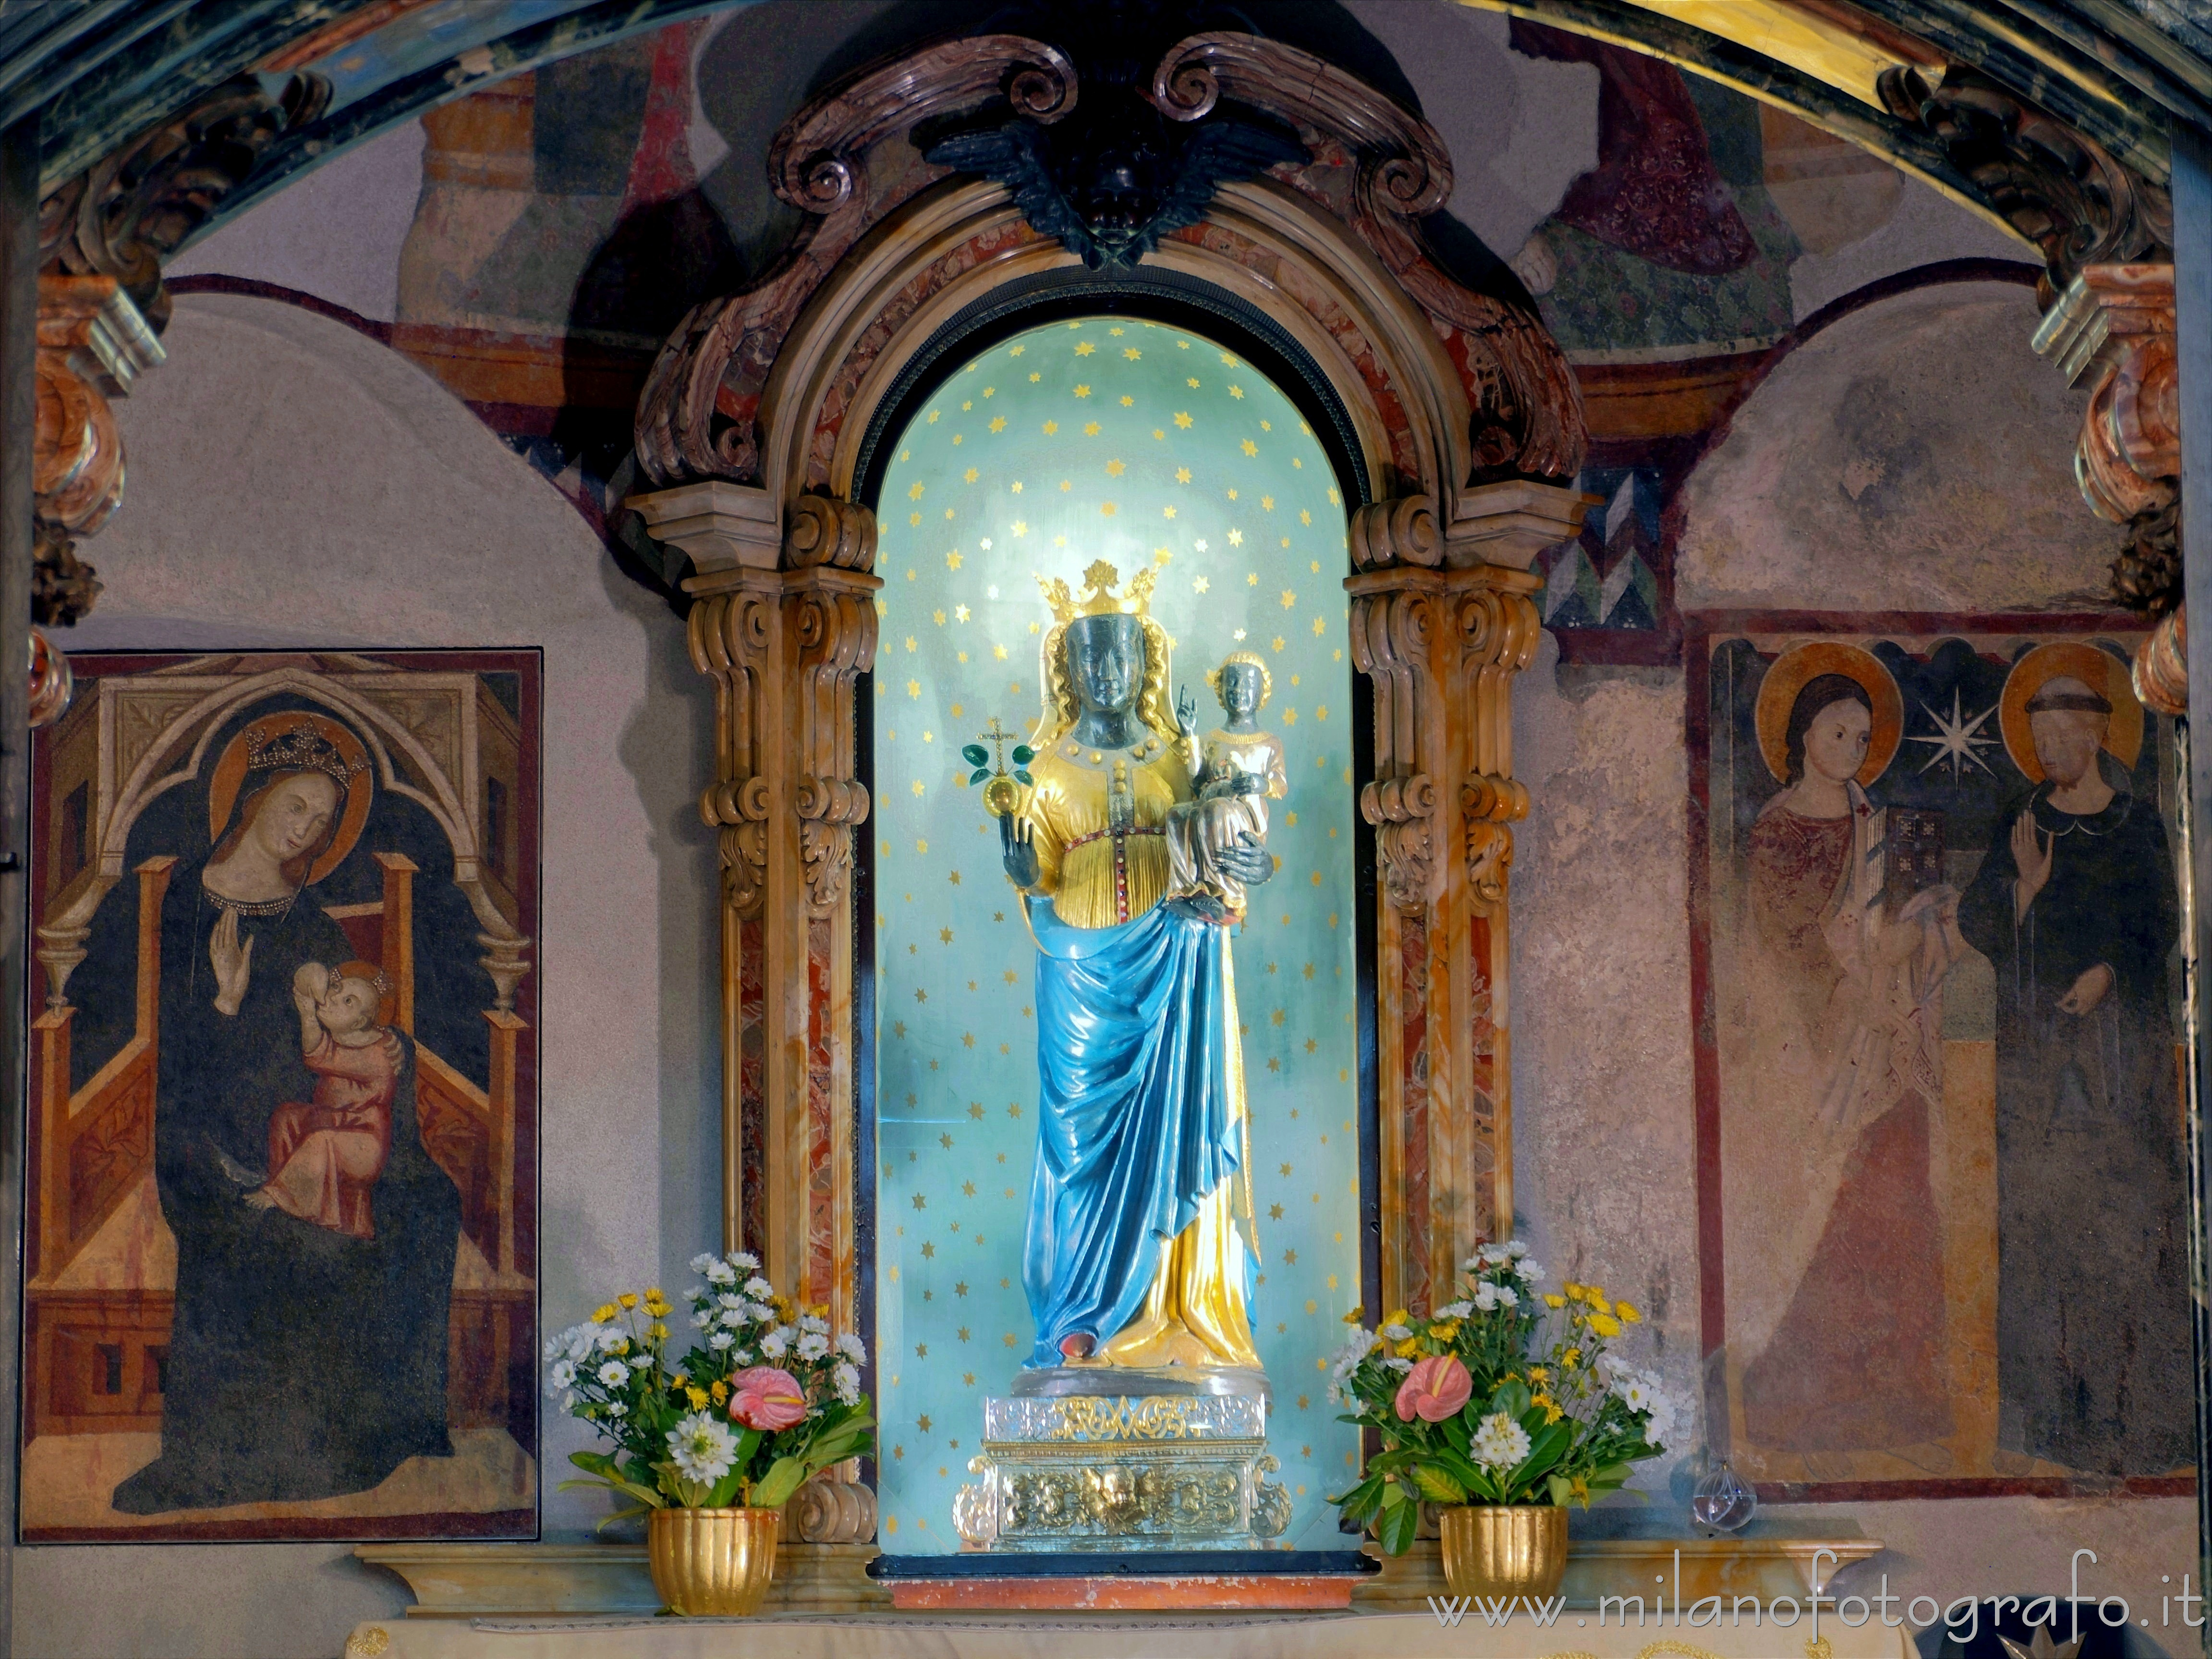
(1470, 430)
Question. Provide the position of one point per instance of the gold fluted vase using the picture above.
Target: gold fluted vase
(1503, 1550)
(715, 1564)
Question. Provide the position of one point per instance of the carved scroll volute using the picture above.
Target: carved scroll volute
(699, 416)
(809, 164)
(731, 636)
(824, 540)
(1402, 531)
(1500, 629)
(1391, 636)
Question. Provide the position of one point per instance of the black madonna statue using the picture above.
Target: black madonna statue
(315, 1236)
(1133, 1257)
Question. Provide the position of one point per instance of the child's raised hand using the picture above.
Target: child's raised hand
(310, 981)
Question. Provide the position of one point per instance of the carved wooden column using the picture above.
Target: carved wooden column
(784, 621)
(2111, 330)
(1442, 624)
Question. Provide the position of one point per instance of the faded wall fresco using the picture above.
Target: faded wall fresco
(1937, 932)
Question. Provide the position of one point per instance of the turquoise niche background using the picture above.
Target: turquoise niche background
(1108, 438)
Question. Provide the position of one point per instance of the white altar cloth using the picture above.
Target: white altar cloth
(1329, 1636)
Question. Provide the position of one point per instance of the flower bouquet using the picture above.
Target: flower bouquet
(1507, 1398)
(764, 1395)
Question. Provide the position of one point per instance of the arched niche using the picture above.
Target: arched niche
(1460, 428)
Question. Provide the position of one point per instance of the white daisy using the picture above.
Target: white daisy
(1528, 1273)
(613, 1374)
(732, 1317)
(702, 1318)
(1516, 1248)
(1456, 1310)
(612, 1339)
(701, 1448)
(848, 1380)
(719, 1340)
(851, 1346)
(561, 1378)
(1486, 1296)
(1508, 1297)
(1500, 1442)
(744, 1260)
(759, 1289)
(616, 1408)
(582, 1339)
(1397, 1364)
(705, 1262)
(1397, 1333)
(813, 1346)
(813, 1324)
(775, 1343)
(720, 1273)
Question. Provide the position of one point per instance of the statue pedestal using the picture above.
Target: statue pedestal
(1085, 1458)
(1131, 1581)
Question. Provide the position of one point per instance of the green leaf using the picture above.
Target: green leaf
(1512, 1398)
(1023, 754)
(1394, 1494)
(1437, 1486)
(1023, 779)
(1562, 1491)
(784, 1478)
(979, 774)
(975, 755)
(1395, 1526)
(725, 1490)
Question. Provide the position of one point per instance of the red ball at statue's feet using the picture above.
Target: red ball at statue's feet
(1077, 1346)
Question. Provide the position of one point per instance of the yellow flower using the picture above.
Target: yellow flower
(1353, 1317)
(628, 1298)
(680, 1380)
(1572, 1357)
(1596, 1299)
(698, 1398)
(1574, 1290)
(1580, 1488)
(719, 1392)
(619, 1346)
(606, 1313)
(657, 1331)
(1551, 1412)
(784, 1310)
(1628, 1315)
(1444, 1330)
(1605, 1324)
(1409, 1348)
(1539, 1374)
(1401, 1317)
(1551, 1301)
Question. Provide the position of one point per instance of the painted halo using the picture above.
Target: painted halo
(1798, 667)
(229, 775)
(2096, 668)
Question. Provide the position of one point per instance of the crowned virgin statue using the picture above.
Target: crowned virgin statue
(1134, 1256)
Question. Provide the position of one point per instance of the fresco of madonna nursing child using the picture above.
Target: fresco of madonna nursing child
(1939, 1116)
(282, 1206)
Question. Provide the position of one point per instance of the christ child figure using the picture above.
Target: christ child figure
(1240, 769)
(325, 1154)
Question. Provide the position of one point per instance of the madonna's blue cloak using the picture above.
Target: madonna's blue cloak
(1135, 1124)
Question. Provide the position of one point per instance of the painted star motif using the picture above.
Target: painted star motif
(1956, 740)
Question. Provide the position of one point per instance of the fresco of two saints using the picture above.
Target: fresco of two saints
(1942, 1094)
(281, 1211)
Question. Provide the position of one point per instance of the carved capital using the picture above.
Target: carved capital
(92, 344)
(835, 627)
(2112, 331)
(1397, 622)
(731, 637)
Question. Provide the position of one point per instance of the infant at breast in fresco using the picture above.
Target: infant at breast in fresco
(1239, 768)
(327, 1152)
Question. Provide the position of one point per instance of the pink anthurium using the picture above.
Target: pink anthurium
(1434, 1390)
(767, 1399)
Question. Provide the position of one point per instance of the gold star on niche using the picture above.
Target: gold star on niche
(1050, 426)
(1249, 447)
(1114, 468)
(1083, 391)
(1182, 420)
(1130, 353)
(1183, 474)
(1084, 348)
